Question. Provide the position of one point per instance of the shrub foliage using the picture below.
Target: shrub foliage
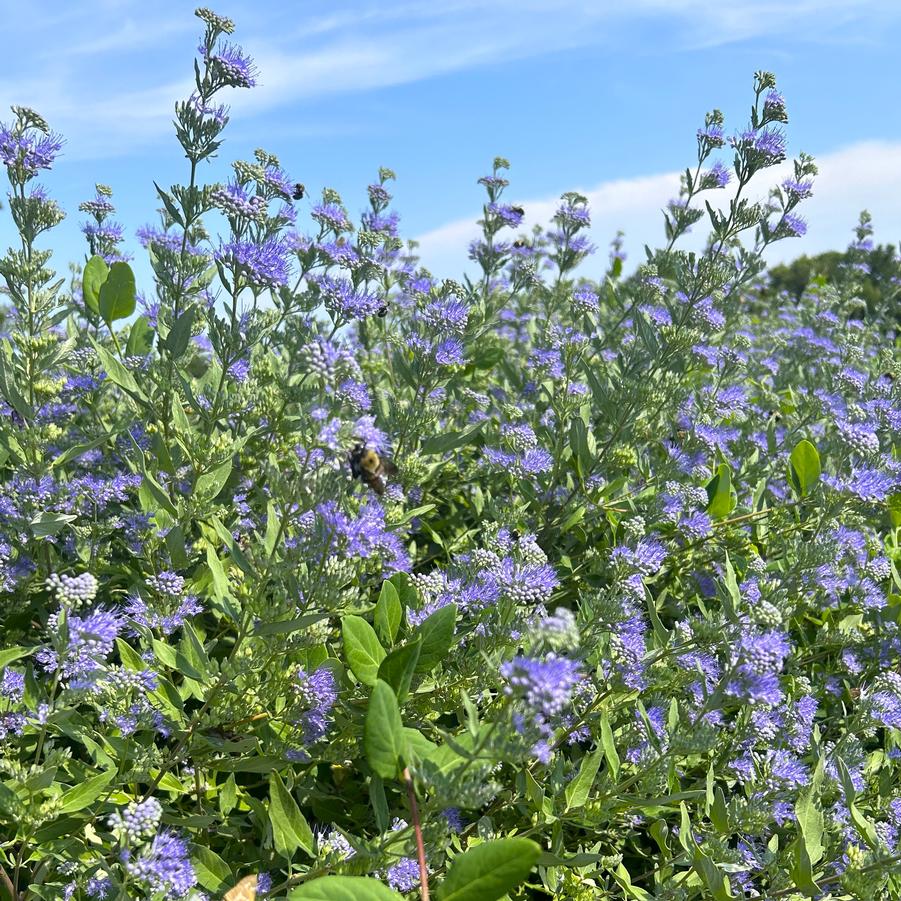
(324, 578)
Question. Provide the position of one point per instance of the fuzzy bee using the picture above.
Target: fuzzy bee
(519, 210)
(520, 243)
(299, 191)
(245, 890)
(372, 469)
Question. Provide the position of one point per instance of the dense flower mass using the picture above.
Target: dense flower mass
(315, 564)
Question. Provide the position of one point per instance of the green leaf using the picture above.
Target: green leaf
(578, 442)
(343, 888)
(609, 745)
(439, 444)
(177, 340)
(228, 795)
(733, 600)
(490, 870)
(170, 206)
(85, 793)
(804, 467)
(864, 826)
(388, 613)
(76, 450)
(383, 732)
(221, 588)
(290, 830)
(379, 802)
(94, 275)
(578, 790)
(362, 650)
(801, 871)
(234, 549)
(437, 633)
(686, 836)
(720, 499)
(130, 658)
(405, 591)
(398, 667)
(193, 650)
(417, 744)
(212, 871)
(287, 626)
(140, 338)
(719, 812)
(714, 878)
(116, 372)
(894, 508)
(810, 817)
(50, 523)
(211, 483)
(117, 293)
(472, 714)
(624, 880)
(11, 654)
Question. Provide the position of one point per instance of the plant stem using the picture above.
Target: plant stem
(417, 828)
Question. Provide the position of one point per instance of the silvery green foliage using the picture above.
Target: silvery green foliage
(307, 554)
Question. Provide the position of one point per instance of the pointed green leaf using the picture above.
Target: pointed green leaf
(489, 871)
(343, 888)
(578, 790)
(116, 372)
(213, 873)
(720, 499)
(439, 444)
(398, 667)
(290, 829)
(388, 613)
(804, 467)
(437, 637)
(810, 817)
(9, 655)
(383, 732)
(94, 275)
(362, 650)
(211, 483)
(714, 878)
(117, 293)
(140, 338)
(85, 793)
(609, 745)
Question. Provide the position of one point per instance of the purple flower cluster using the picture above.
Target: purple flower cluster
(317, 693)
(28, 152)
(163, 867)
(264, 265)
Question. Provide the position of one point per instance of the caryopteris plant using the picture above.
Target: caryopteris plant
(324, 578)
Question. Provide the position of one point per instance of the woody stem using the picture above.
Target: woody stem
(417, 828)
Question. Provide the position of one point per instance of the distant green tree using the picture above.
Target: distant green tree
(872, 272)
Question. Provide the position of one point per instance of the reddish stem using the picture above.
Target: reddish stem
(417, 828)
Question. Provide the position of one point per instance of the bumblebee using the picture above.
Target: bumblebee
(520, 243)
(519, 210)
(245, 890)
(299, 191)
(367, 465)
(382, 312)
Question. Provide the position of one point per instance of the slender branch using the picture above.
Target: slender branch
(417, 828)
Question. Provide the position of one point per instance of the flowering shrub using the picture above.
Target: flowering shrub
(324, 578)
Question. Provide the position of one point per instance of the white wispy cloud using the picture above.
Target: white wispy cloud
(96, 59)
(863, 175)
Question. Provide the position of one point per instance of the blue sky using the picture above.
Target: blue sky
(575, 95)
